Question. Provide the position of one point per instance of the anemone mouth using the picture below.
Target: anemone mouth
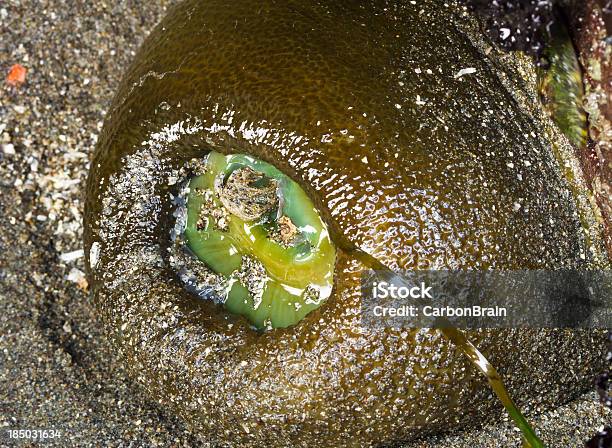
(250, 238)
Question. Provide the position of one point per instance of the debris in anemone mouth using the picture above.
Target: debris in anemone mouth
(286, 232)
(211, 213)
(249, 194)
(252, 274)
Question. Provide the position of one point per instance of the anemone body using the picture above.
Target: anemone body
(416, 144)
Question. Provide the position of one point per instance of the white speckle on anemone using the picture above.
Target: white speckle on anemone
(94, 255)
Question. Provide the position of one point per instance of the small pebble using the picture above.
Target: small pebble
(8, 148)
(72, 256)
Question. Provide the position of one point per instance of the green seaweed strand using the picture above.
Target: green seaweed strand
(561, 86)
(460, 340)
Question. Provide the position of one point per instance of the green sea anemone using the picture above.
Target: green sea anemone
(259, 152)
(255, 226)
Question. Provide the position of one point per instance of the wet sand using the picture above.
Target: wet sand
(57, 370)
